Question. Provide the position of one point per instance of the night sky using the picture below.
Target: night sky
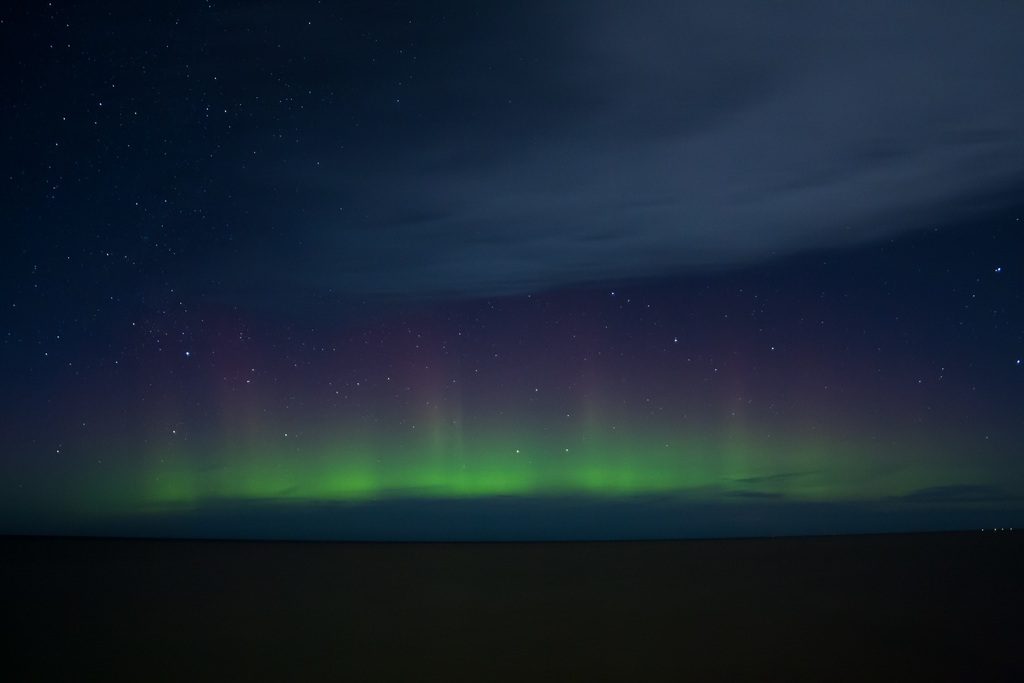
(464, 270)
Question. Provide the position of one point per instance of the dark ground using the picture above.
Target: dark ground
(920, 607)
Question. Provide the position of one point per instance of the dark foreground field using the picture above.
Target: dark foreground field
(921, 607)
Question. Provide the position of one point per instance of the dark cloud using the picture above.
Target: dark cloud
(961, 493)
(773, 478)
(753, 495)
(603, 141)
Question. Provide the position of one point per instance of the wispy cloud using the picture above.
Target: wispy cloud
(606, 141)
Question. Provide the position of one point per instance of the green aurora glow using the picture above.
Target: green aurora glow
(450, 464)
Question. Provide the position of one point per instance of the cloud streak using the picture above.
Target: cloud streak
(599, 141)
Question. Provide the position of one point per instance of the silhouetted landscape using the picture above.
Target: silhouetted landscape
(899, 607)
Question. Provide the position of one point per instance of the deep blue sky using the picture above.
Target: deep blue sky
(790, 236)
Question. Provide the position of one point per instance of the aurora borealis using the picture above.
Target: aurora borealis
(586, 395)
(490, 274)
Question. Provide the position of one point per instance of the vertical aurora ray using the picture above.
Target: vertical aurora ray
(552, 399)
(444, 461)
